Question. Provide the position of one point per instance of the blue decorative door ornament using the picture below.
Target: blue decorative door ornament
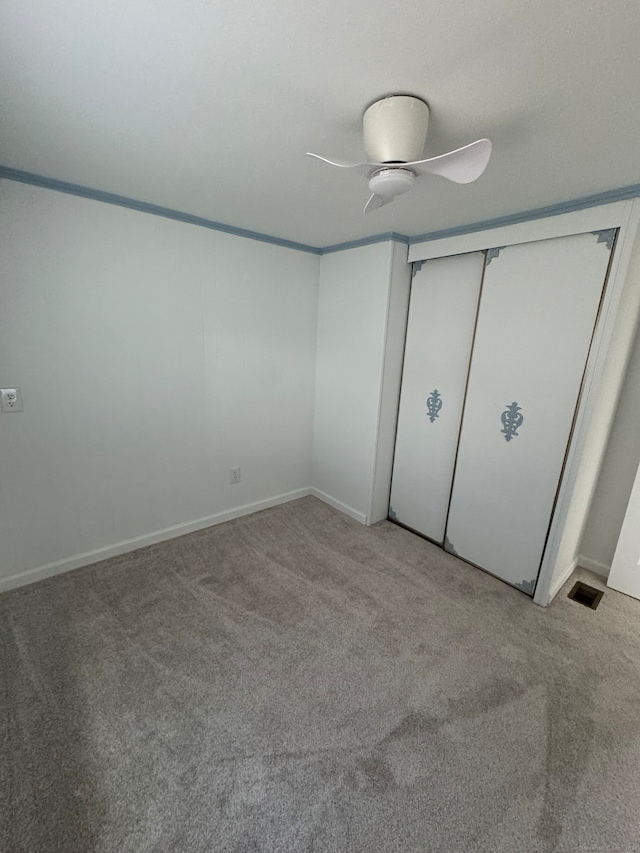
(434, 404)
(512, 419)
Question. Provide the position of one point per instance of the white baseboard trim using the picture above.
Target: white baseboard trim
(594, 566)
(336, 504)
(89, 557)
(557, 585)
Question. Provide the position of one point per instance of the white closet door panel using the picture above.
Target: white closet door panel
(536, 319)
(442, 314)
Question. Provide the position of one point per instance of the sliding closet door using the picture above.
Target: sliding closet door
(442, 315)
(537, 314)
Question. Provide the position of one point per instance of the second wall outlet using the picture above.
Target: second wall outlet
(11, 400)
(234, 475)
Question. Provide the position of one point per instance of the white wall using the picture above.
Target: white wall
(155, 355)
(395, 334)
(354, 313)
(602, 418)
(625, 568)
(617, 476)
(152, 357)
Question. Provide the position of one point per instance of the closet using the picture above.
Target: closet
(496, 349)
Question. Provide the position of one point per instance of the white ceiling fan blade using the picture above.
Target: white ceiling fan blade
(462, 165)
(362, 168)
(375, 202)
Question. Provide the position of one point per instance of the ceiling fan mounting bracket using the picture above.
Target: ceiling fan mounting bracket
(394, 95)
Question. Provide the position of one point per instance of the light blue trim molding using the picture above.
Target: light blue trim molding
(527, 586)
(493, 253)
(145, 207)
(448, 546)
(607, 236)
(620, 194)
(366, 241)
(416, 266)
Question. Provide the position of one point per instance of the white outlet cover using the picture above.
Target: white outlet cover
(10, 400)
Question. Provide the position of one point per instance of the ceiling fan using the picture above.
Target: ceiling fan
(395, 129)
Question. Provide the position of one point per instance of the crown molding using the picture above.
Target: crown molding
(620, 194)
(145, 207)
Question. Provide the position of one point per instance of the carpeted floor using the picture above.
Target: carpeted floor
(293, 681)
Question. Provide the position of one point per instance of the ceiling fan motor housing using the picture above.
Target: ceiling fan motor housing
(395, 129)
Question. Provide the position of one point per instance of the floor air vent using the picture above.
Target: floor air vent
(587, 595)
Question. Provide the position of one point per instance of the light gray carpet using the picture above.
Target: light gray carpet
(293, 681)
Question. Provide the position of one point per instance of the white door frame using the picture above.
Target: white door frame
(604, 373)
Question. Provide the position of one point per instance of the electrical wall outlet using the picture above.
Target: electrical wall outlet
(234, 475)
(10, 400)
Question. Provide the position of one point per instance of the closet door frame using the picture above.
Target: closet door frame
(606, 365)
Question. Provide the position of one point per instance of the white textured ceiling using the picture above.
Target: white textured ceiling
(209, 107)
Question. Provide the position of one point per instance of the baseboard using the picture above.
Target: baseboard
(89, 557)
(594, 566)
(557, 585)
(336, 504)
